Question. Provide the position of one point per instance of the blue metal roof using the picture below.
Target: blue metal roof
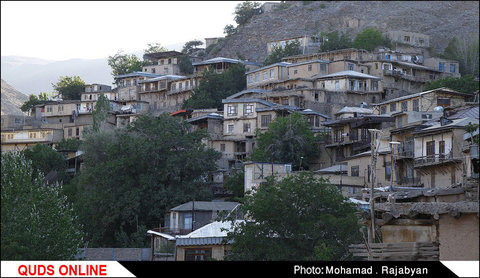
(137, 73)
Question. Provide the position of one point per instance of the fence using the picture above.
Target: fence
(114, 254)
(399, 251)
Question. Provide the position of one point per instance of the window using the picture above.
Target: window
(387, 57)
(32, 135)
(430, 148)
(416, 105)
(257, 77)
(246, 127)
(250, 79)
(180, 85)
(309, 67)
(162, 62)
(187, 221)
(383, 110)
(165, 70)
(404, 106)
(70, 132)
(266, 119)
(49, 109)
(272, 74)
(323, 85)
(352, 85)
(77, 131)
(230, 128)
(441, 66)
(376, 66)
(452, 68)
(198, 254)
(351, 66)
(316, 96)
(264, 75)
(399, 122)
(421, 41)
(355, 171)
(169, 61)
(295, 71)
(373, 85)
(443, 102)
(222, 147)
(248, 109)
(393, 107)
(388, 170)
(441, 149)
(323, 67)
(153, 70)
(337, 85)
(232, 110)
(406, 38)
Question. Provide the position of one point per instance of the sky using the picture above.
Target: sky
(58, 31)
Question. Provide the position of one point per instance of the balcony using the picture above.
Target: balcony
(434, 160)
(405, 151)
(411, 182)
(172, 231)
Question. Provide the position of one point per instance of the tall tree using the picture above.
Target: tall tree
(290, 49)
(466, 52)
(123, 63)
(100, 113)
(34, 100)
(69, 87)
(37, 221)
(185, 64)
(288, 140)
(132, 176)
(215, 87)
(229, 30)
(45, 159)
(334, 41)
(370, 38)
(190, 46)
(245, 11)
(298, 218)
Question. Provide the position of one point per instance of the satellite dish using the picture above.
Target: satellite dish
(438, 109)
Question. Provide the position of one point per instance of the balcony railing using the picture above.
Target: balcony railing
(174, 231)
(434, 159)
(412, 181)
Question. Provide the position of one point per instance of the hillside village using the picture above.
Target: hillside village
(367, 109)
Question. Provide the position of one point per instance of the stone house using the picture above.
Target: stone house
(447, 68)
(20, 139)
(409, 38)
(128, 86)
(164, 63)
(307, 44)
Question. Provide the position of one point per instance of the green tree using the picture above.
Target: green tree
(298, 218)
(123, 63)
(215, 87)
(70, 144)
(37, 221)
(100, 113)
(235, 183)
(464, 84)
(185, 64)
(466, 52)
(69, 87)
(370, 38)
(45, 159)
(288, 140)
(132, 176)
(245, 11)
(190, 46)
(229, 30)
(290, 49)
(34, 100)
(334, 41)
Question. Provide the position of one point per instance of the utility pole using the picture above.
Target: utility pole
(373, 165)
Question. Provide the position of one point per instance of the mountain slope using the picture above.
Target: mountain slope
(440, 19)
(11, 100)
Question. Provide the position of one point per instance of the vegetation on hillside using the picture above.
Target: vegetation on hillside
(279, 52)
(298, 218)
(370, 38)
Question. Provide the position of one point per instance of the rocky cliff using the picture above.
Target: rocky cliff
(11, 100)
(441, 20)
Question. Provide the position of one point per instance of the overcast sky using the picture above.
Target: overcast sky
(90, 30)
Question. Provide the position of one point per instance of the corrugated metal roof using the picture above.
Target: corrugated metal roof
(281, 64)
(246, 100)
(333, 169)
(348, 73)
(137, 73)
(349, 109)
(213, 233)
(173, 77)
(256, 91)
(208, 206)
(217, 60)
(466, 112)
(443, 89)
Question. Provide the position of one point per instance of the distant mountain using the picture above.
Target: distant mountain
(33, 75)
(11, 100)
